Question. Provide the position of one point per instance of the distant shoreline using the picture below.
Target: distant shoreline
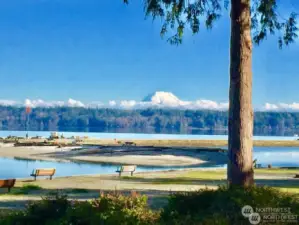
(153, 142)
(192, 143)
(140, 135)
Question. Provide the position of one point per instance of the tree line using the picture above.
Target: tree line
(143, 120)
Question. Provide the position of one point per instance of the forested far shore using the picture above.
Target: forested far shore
(152, 120)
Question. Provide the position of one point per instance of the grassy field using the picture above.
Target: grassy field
(268, 177)
(156, 185)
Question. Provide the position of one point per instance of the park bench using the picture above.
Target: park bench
(7, 183)
(126, 169)
(43, 172)
(129, 143)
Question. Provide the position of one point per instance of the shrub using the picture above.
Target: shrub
(113, 209)
(223, 206)
(46, 211)
(109, 209)
(204, 207)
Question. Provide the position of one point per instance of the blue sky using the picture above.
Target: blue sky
(95, 50)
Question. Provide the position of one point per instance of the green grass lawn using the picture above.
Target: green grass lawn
(217, 174)
(24, 190)
(214, 178)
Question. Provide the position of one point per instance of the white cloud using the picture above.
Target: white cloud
(128, 104)
(4, 102)
(74, 103)
(159, 99)
(269, 106)
(48, 104)
(95, 104)
(208, 104)
(42, 103)
(112, 103)
(281, 107)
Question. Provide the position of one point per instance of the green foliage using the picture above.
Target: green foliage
(109, 209)
(112, 209)
(204, 207)
(267, 20)
(25, 189)
(47, 211)
(177, 15)
(223, 206)
(143, 120)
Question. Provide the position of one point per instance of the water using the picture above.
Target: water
(12, 168)
(21, 168)
(16, 168)
(137, 136)
(277, 156)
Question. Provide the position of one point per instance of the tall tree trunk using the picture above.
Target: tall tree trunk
(240, 125)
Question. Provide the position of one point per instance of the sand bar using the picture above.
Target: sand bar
(148, 156)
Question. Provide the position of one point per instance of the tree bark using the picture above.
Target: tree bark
(240, 124)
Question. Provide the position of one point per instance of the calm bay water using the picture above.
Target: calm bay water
(21, 168)
(15, 168)
(277, 156)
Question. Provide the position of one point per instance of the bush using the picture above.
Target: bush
(109, 209)
(112, 209)
(47, 211)
(204, 207)
(223, 206)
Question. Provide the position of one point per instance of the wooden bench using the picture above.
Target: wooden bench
(43, 172)
(129, 143)
(126, 169)
(7, 183)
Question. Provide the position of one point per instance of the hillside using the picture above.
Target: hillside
(140, 120)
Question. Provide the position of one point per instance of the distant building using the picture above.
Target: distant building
(54, 135)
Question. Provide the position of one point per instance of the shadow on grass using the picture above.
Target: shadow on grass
(26, 189)
(156, 199)
(211, 182)
(35, 190)
(176, 180)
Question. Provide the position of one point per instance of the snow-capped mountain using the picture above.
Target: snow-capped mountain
(163, 98)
